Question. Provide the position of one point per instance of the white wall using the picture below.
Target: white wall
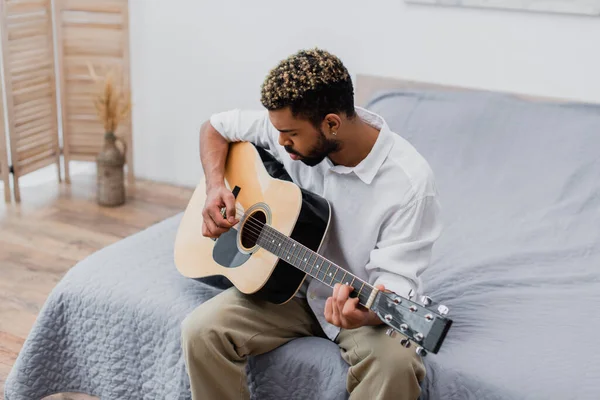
(192, 58)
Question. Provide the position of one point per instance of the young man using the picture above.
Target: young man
(385, 219)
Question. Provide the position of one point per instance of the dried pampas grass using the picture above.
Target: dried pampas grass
(113, 103)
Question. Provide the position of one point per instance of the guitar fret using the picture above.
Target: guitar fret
(293, 249)
(286, 253)
(309, 261)
(340, 270)
(352, 285)
(276, 245)
(293, 255)
(291, 252)
(317, 270)
(335, 270)
(303, 258)
(306, 261)
(333, 277)
(282, 246)
(264, 240)
(361, 288)
(319, 265)
(298, 260)
(324, 275)
(326, 271)
(312, 263)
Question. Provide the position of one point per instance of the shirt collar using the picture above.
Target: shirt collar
(370, 165)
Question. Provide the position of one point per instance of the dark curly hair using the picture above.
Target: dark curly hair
(313, 83)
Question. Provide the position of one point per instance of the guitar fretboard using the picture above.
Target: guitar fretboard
(300, 256)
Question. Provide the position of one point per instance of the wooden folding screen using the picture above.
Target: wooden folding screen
(3, 155)
(95, 32)
(28, 59)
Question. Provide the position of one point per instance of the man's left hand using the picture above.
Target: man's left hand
(343, 311)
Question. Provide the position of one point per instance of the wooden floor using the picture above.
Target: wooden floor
(55, 226)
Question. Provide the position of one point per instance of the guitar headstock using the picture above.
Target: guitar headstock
(421, 320)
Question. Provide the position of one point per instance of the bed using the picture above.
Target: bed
(518, 265)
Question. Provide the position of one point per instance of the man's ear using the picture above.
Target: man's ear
(332, 123)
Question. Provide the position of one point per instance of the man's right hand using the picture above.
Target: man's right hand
(214, 224)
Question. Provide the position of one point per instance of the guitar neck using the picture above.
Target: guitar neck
(320, 268)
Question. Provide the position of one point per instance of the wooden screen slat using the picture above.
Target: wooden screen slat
(32, 128)
(29, 73)
(32, 154)
(95, 32)
(21, 7)
(32, 141)
(25, 106)
(31, 114)
(37, 164)
(34, 77)
(107, 6)
(4, 173)
(27, 43)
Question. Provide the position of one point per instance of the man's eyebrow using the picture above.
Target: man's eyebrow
(286, 130)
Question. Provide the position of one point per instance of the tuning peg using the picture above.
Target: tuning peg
(391, 333)
(418, 337)
(426, 301)
(405, 342)
(443, 310)
(396, 299)
(412, 294)
(421, 351)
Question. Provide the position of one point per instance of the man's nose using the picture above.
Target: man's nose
(284, 140)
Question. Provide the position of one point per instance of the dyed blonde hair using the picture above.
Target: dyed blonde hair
(312, 83)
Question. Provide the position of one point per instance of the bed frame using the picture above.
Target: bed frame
(368, 85)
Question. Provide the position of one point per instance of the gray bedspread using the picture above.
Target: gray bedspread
(111, 328)
(518, 265)
(519, 261)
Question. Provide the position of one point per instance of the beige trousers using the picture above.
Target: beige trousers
(220, 333)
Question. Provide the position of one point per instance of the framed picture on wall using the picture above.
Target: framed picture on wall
(579, 7)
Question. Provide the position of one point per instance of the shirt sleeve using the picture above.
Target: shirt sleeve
(404, 247)
(247, 126)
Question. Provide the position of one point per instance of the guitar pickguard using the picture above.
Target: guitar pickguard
(226, 252)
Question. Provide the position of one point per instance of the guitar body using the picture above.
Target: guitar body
(266, 194)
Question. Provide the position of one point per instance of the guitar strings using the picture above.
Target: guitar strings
(363, 298)
(256, 227)
(260, 226)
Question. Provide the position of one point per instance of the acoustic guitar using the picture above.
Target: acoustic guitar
(276, 244)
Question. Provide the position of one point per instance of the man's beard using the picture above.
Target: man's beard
(318, 153)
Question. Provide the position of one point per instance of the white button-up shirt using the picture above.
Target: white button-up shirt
(385, 210)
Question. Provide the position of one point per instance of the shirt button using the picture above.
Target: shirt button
(312, 296)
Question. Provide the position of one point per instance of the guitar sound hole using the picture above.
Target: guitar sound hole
(252, 228)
